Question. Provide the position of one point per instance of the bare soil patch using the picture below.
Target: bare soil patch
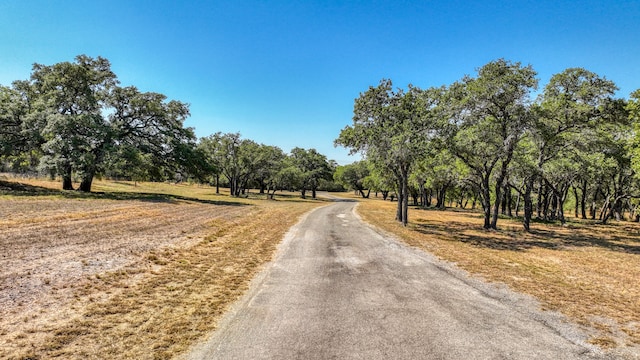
(126, 276)
(586, 271)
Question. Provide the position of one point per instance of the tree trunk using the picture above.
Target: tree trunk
(575, 196)
(560, 208)
(604, 210)
(486, 206)
(400, 198)
(528, 204)
(498, 201)
(539, 206)
(608, 213)
(546, 203)
(486, 202)
(461, 198)
(554, 206)
(414, 196)
(236, 187)
(583, 199)
(313, 193)
(503, 203)
(405, 196)
(592, 207)
(440, 197)
(67, 183)
(496, 204)
(564, 194)
(85, 185)
(232, 189)
(502, 175)
(618, 210)
(509, 201)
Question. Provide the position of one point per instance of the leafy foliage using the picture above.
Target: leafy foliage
(313, 167)
(391, 127)
(76, 114)
(354, 176)
(483, 137)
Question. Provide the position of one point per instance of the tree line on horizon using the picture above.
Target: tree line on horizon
(484, 139)
(73, 121)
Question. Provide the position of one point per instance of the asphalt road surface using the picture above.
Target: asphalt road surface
(339, 289)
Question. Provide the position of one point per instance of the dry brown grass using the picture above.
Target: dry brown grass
(121, 275)
(591, 273)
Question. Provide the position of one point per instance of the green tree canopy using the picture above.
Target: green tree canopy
(391, 127)
(354, 177)
(313, 167)
(488, 115)
(76, 114)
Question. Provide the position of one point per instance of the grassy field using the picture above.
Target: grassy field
(129, 272)
(591, 273)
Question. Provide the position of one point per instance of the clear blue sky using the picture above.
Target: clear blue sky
(286, 73)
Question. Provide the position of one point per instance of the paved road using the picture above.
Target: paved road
(340, 290)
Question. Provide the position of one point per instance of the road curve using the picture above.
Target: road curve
(338, 289)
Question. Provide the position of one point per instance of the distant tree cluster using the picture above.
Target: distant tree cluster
(73, 121)
(484, 140)
(243, 164)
